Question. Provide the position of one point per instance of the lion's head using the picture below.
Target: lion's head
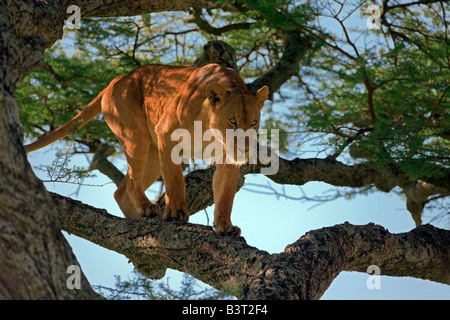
(236, 113)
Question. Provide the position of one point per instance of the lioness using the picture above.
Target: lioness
(144, 106)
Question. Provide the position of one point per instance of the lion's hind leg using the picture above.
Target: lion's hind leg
(124, 201)
(127, 206)
(143, 171)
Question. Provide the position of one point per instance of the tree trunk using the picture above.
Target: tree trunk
(34, 255)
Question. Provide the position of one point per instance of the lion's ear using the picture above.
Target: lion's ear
(263, 94)
(216, 93)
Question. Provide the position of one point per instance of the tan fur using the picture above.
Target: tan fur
(143, 107)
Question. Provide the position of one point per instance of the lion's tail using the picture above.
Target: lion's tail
(77, 122)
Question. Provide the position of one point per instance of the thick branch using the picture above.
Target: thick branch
(300, 171)
(46, 18)
(303, 271)
(120, 8)
(422, 253)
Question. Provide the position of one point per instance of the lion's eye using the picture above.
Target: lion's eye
(254, 122)
(233, 121)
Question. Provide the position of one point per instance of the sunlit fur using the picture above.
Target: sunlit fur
(143, 107)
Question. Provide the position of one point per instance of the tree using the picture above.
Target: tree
(380, 107)
(34, 255)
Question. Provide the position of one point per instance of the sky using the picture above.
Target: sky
(266, 222)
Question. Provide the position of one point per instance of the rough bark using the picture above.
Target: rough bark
(304, 271)
(300, 171)
(37, 19)
(34, 255)
(45, 18)
(120, 8)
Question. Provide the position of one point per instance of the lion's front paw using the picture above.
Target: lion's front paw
(228, 229)
(149, 210)
(176, 214)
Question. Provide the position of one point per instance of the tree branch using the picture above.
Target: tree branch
(304, 271)
(101, 163)
(404, 5)
(205, 26)
(218, 52)
(329, 170)
(199, 193)
(120, 8)
(295, 47)
(300, 171)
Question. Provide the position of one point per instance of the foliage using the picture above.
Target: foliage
(385, 99)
